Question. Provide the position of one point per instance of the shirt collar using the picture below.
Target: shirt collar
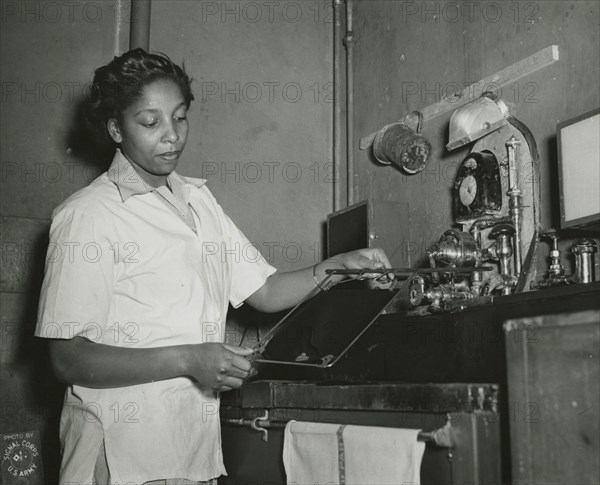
(129, 183)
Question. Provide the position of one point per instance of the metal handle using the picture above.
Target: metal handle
(419, 116)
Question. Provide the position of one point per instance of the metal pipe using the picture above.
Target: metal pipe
(350, 102)
(139, 30)
(403, 271)
(337, 106)
(514, 200)
(439, 437)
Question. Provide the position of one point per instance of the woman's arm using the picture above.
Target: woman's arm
(79, 361)
(284, 290)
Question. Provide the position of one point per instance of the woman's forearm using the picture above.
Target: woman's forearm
(213, 365)
(85, 363)
(284, 290)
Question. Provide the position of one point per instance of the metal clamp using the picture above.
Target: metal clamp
(254, 425)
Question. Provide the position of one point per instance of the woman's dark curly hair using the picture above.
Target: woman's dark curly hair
(120, 83)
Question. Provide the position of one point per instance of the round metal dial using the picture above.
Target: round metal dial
(416, 289)
(468, 190)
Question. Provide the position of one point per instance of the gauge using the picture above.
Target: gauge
(416, 291)
(468, 190)
(477, 187)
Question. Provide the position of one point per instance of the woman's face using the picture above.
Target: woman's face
(153, 131)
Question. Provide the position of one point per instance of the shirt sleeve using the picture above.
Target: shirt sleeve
(78, 279)
(249, 268)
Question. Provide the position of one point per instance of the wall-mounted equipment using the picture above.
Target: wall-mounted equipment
(579, 171)
(367, 225)
(475, 120)
(496, 203)
(478, 187)
(403, 145)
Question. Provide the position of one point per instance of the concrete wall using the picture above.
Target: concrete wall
(49, 51)
(408, 54)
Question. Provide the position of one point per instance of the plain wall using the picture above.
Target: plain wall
(49, 51)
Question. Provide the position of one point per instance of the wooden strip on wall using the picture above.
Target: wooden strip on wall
(502, 78)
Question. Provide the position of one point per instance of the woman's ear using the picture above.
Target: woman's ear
(113, 130)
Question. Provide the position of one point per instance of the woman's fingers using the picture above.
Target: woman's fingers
(238, 350)
(371, 258)
(382, 258)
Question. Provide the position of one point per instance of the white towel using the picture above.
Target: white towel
(310, 453)
(333, 454)
(386, 456)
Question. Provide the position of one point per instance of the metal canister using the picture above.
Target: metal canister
(584, 250)
(403, 146)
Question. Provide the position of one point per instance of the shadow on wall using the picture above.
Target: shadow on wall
(87, 146)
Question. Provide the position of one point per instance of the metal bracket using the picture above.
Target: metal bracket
(254, 425)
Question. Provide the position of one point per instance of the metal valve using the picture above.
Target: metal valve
(556, 267)
(503, 251)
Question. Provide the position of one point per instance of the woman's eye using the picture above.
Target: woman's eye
(180, 118)
(149, 124)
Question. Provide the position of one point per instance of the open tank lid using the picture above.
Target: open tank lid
(323, 327)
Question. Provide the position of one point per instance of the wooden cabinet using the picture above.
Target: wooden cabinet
(468, 409)
(553, 374)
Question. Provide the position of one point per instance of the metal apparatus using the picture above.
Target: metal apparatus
(403, 145)
(441, 437)
(582, 249)
(496, 203)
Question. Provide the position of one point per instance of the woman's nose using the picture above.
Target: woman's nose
(170, 134)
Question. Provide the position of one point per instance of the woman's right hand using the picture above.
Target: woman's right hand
(218, 366)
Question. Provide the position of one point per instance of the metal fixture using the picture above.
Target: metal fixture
(584, 250)
(349, 43)
(503, 250)
(441, 437)
(556, 267)
(455, 248)
(476, 120)
(495, 205)
(337, 108)
(403, 145)
(514, 195)
(139, 33)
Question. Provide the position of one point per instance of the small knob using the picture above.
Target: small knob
(502, 229)
(582, 246)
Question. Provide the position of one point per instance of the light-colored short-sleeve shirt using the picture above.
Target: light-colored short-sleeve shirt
(124, 268)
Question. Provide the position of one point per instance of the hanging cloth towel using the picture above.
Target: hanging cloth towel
(333, 454)
(310, 453)
(384, 456)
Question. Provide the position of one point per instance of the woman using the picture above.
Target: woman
(141, 267)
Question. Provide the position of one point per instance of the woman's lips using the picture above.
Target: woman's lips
(170, 155)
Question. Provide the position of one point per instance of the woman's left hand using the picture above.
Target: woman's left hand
(364, 259)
